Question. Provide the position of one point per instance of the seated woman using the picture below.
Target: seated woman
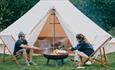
(83, 48)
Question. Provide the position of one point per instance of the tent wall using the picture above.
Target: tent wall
(111, 46)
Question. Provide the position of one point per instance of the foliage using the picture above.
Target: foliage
(112, 31)
(11, 10)
(5, 14)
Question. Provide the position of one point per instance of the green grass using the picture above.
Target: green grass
(41, 64)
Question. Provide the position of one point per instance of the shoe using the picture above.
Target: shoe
(88, 63)
(27, 63)
(32, 63)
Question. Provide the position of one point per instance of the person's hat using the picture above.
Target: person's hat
(21, 34)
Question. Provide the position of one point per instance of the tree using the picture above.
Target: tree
(11, 10)
(5, 13)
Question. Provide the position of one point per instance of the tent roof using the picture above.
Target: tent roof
(72, 20)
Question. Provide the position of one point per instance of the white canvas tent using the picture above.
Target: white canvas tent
(71, 19)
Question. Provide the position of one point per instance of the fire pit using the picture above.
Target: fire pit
(56, 56)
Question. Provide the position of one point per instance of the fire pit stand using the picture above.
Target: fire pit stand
(56, 57)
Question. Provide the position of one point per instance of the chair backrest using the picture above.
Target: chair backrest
(9, 42)
(100, 41)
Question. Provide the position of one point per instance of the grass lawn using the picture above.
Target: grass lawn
(41, 64)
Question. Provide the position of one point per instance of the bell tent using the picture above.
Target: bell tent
(56, 20)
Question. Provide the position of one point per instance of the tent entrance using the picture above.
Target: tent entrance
(52, 32)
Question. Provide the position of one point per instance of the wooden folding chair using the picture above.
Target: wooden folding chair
(9, 43)
(100, 51)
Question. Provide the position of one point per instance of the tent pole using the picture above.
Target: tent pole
(53, 28)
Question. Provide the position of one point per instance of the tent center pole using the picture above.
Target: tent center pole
(53, 27)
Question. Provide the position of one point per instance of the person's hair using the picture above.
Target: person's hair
(81, 37)
(21, 34)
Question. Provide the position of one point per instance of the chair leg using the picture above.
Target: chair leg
(14, 58)
(105, 58)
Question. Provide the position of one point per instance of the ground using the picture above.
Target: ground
(69, 65)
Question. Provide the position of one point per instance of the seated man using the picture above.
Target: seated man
(22, 47)
(83, 48)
